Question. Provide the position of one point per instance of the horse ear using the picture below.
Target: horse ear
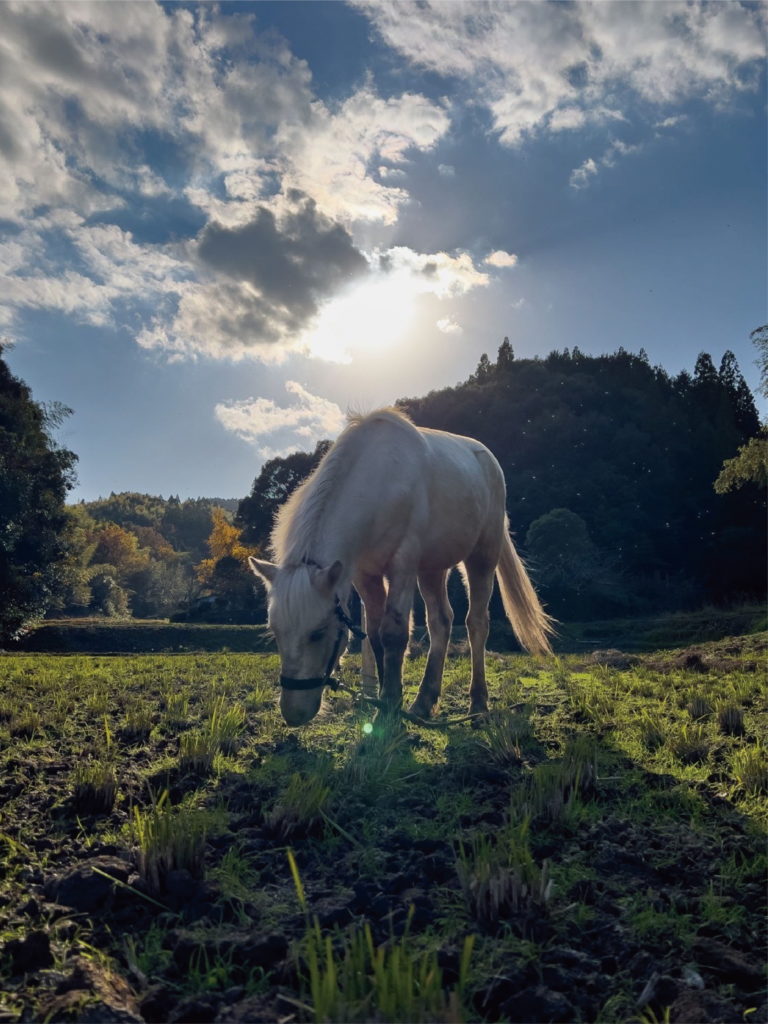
(266, 571)
(326, 579)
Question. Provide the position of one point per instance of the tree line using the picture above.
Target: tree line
(629, 490)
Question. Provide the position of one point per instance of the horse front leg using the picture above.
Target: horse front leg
(373, 595)
(434, 590)
(394, 633)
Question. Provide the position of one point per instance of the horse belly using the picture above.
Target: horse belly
(463, 502)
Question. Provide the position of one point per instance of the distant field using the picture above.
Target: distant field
(109, 636)
(595, 851)
(136, 636)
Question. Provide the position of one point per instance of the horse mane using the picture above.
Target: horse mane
(296, 523)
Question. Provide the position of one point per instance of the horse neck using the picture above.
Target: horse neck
(328, 530)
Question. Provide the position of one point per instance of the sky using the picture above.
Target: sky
(222, 227)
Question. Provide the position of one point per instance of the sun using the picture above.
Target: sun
(372, 316)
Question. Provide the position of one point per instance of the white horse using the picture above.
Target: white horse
(391, 506)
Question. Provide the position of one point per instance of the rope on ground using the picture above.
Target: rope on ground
(423, 723)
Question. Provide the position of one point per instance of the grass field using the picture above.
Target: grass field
(169, 851)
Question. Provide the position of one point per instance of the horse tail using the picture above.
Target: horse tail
(532, 626)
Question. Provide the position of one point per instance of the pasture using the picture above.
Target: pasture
(171, 851)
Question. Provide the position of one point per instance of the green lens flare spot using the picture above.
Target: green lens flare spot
(368, 728)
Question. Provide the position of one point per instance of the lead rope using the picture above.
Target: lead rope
(423, 723)
(336, 685)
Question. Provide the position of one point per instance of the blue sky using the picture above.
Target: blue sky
(221, 227)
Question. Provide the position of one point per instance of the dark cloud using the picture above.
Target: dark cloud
(294, 261)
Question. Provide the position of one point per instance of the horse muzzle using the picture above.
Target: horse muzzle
(300, 706)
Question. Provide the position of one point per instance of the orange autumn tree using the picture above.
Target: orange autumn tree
(225, 575)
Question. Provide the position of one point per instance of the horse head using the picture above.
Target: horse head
(311, 629)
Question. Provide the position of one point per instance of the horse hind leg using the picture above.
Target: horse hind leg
(479, 578)
(434, 590)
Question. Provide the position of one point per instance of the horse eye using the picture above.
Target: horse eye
(316, 636)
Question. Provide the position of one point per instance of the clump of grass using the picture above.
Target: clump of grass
(138, 723)
(300, 808)
(561, 675)
(236, 876)
(352, 979)
(226, 725)
(554, 790)
(98, 702)
(730, 720)
(221, 732)
(176, 710)
(750, 769)
(698, 708)
(168, 839)
(651, 732)
(25, 725)
(690, 744)
(379, 761)
(94, 787)
(197, 750)
(500, 878)
(506, 734)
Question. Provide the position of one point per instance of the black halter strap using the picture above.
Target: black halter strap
(313, 682)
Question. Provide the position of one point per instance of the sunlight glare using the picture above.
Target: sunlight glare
(369, 317)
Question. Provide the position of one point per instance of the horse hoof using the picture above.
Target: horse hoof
(420, 711)
(481, 717)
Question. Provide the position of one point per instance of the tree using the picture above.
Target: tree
(571, 571)
(750, 464)
(35, 476)
(225, 576)
(505, 357)
(278, 479)
(631, 451)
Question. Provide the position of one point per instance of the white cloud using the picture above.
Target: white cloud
(446, 171)
(500, 258)
(392, 173)
(328, 156)
(537, 65)
(580, 176)
(671, 122)
(449, 326)
(278, 430)
(89, 93)
(437, 273)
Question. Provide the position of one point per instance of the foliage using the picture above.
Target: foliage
(225, 578)
(750, 465)
(629, 450)
(277, 480)
(35, 475)
(572, 574)
(135, 555)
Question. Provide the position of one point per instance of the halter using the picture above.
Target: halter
(345, 622)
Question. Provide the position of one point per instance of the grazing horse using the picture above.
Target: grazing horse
(391, 506)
